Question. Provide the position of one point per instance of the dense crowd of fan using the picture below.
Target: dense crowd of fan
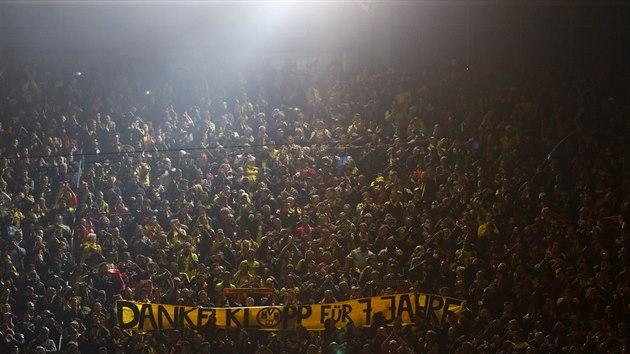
(324, 185)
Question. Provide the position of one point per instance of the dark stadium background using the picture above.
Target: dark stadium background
(570, 34)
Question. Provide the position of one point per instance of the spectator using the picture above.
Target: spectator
(322, 200)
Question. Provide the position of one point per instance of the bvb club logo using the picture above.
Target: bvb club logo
(269, 317)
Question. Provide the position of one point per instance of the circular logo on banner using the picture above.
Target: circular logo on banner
(269, 317)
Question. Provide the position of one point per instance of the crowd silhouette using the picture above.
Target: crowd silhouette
(323, 183)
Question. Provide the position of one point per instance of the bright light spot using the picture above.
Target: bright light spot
(148, 92)
(79, 73)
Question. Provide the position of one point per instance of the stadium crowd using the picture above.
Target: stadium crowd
(321, 183)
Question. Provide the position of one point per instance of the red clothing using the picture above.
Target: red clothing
(304, 231)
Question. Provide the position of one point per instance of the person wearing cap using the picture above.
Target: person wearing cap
(220, 242)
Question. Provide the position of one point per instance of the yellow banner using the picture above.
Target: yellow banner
(428, 307)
